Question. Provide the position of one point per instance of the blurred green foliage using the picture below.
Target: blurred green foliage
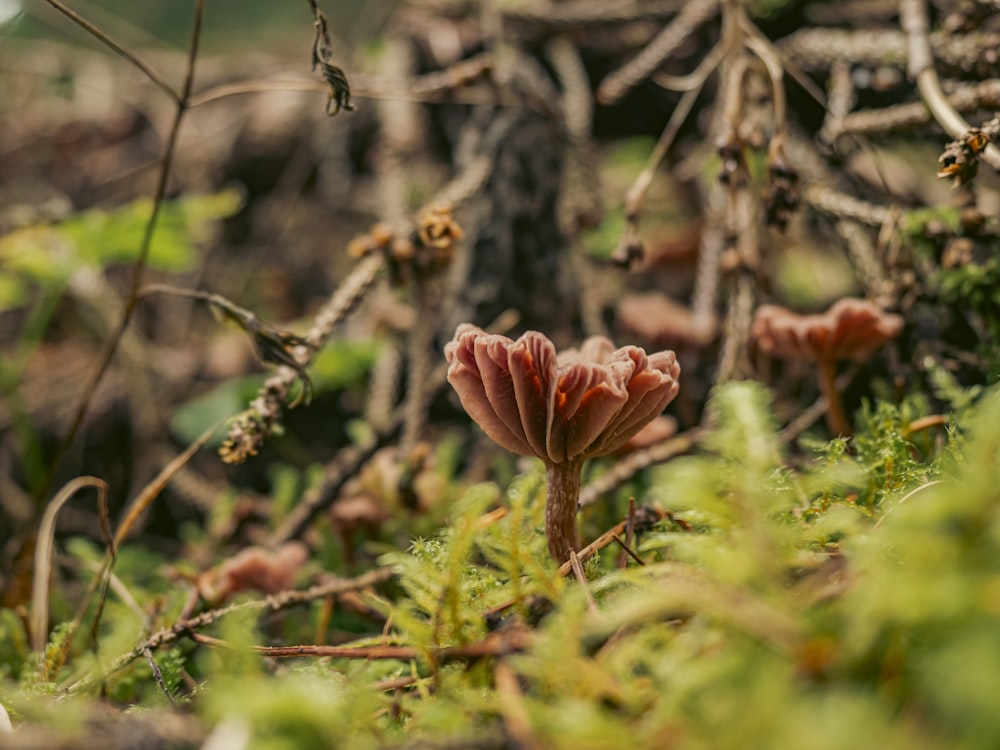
(47, 255)
(40, 264)
(339, 365)
(853, 601)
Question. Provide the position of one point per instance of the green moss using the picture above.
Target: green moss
(849, 601)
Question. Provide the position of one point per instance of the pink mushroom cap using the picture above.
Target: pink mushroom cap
(580, 403)
(850, 329)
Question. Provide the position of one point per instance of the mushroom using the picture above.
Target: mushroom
(657, 319)
(850, 329)
(254, 569)
(562, 408)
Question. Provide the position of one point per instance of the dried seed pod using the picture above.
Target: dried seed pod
(782, 196)
(960, 158)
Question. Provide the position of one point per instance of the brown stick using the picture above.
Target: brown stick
(495, 644)
(271, 603)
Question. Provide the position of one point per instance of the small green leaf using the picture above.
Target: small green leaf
(194, 417)
(342, 364)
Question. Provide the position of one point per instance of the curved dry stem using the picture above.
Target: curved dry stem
(696, 78)
(128, 54)
(776, 74)
(152, 490)
(621, 81)
(562, 496)
(43, 553)
(272, 603)
(637, 192)
(429, 87)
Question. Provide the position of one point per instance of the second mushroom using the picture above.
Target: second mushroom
(850, 329)
(562, 408)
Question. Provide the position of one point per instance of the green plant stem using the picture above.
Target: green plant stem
(562, 494)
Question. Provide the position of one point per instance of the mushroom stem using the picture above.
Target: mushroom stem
(836, 417)
(562, 495)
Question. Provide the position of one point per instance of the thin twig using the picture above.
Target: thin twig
(804, 421)
(420, 387)
(636, 193)
(580, 191)
(787, 64)
(925, 423)
(383, 385)
(494, 644)
(920, 66)
(271, 603)
(736, 328)
(439, 85)
(608, 537)
(348, 295)
(581, 577)
(818, 48)
(251, 428)
(828, 200)
(868, 268)
(707, 273)
(111, 729)
(776, 73)
(629, 532)
(839, 100)
(628, 550)
(965, 97)
(583, 13)
(139, 267)
(395, 683)
(152, 490)
(621, 81)
(128, 54)
(157, 674)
